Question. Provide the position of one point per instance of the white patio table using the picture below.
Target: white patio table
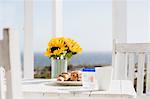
(47, 89)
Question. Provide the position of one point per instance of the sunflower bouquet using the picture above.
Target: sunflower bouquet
(62, 48)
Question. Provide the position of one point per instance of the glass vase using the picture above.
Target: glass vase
(58, 66)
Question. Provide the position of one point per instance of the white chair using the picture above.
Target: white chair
(10, 70)
(130, 61)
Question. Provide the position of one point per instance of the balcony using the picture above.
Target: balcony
(130, 55)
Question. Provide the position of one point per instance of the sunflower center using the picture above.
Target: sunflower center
(54, 48)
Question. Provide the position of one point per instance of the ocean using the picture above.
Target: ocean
(88, 58)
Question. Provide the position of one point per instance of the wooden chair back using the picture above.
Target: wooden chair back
(136, 65)
(10, 70)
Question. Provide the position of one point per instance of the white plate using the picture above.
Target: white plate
(69, 83)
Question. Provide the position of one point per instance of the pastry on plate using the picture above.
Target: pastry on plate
(70, 76)
(60, 78)
(66, 76)
(75, 76)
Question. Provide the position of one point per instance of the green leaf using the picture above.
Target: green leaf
(69, 55)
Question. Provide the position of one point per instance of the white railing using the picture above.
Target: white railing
(137, 64)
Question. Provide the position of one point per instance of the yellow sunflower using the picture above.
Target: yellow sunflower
(62, 46)
(73, 46)
(47, 53)
(56, 46)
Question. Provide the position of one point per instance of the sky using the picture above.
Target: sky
(88, 22)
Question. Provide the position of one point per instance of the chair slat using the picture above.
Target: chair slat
(148, 75)
(2, 87)
(126, 65)
(140, 73)
(6, 51)
(1, 56)
(131, 67)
